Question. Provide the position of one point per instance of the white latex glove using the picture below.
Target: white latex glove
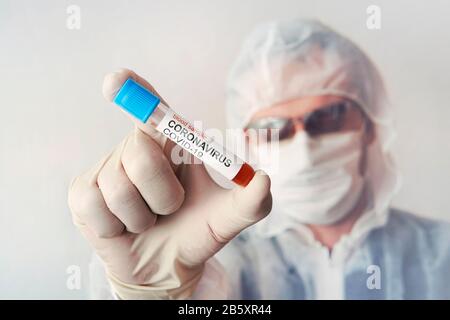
(154, 225)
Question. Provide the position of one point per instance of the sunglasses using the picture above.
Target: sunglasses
(325, 120)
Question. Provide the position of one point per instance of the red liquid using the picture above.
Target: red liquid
(244, 176)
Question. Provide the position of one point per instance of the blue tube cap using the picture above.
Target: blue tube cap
(136, 100)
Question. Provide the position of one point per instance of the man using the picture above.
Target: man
(167, 231)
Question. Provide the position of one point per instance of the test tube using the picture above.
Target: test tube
(146, 107)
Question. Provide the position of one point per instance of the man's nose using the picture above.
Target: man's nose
(298, 125)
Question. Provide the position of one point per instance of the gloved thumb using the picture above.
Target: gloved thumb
(242, 207)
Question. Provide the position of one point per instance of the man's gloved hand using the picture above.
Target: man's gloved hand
(155, 224)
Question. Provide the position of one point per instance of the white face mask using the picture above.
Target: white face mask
(317, 180)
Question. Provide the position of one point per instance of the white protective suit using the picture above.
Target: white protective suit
(388, 254)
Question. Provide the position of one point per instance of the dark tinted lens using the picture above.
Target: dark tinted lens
(287, 130)
(274, 127)
(326, 120)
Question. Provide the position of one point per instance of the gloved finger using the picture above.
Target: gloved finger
(121, 196)
(242, 207)
(88, 206)
(150, 171)
(111, 86)
(199, 185)
(222, 215)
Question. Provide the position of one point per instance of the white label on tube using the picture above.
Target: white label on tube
(196, 142)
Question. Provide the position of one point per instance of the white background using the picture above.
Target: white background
(54, 122)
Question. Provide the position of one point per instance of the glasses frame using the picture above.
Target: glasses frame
(286, 125)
